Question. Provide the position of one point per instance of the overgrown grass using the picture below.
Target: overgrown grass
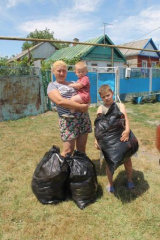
(127, 215)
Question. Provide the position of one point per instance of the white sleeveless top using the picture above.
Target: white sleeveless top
(105, 109)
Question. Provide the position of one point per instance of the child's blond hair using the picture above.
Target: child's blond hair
(58, 63)
(80, 65)
(104, 88)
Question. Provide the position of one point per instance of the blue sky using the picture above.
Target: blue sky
(82, 19)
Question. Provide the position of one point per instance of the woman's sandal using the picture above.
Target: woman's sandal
(130, 185)
(110, 189)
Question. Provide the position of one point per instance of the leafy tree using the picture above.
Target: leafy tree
(41, 34)
(158, 65)
(22, 67)
(27, 45)
(3, 65)
(61, 45)
(73, 61)
(3, 61)
(25, 62)
(47, 65)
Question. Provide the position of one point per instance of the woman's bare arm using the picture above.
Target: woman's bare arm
(56, 97)
(76, 85)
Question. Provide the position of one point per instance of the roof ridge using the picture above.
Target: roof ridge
(146, 39)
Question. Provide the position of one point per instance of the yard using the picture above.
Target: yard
(127, 215)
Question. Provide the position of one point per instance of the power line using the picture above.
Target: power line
(147, 33)
(140, 37)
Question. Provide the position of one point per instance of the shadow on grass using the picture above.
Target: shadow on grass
(99, 191)
(100, 167)
(120, 183)
(126, 195)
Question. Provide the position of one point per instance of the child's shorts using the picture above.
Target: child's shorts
(71, 128)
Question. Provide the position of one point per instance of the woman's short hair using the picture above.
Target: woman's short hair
(58, 63)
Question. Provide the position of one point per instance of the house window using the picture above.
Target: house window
(109, 68)
(144, 66)
(153, 64)
(94, 66)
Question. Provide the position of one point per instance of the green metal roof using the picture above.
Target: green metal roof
(88, 52)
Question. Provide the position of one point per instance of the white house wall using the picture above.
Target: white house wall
(104, 64)
(43, 51)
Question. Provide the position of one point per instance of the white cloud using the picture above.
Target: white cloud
(71, 23)
(12, 3)
(141, 26)
(68, 24)
(66, 29)
(86, 5)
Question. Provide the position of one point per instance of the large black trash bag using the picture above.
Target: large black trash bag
(49, 178)
(82, 180)
(108, 130)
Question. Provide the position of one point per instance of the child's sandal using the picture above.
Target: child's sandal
(110, 189)
(130, 185)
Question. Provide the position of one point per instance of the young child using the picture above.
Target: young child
(106, 95)
(82, 86)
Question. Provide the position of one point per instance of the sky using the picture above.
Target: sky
(121, 20)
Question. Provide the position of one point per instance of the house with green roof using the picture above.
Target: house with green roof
(94, 56)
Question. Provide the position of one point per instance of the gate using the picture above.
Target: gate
(98, 78)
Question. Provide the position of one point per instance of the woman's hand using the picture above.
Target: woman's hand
(83, 108)
(125, 136)
(96, 144)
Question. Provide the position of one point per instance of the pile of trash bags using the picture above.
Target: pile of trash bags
(108, 130)
(82, 179)
(55, 177)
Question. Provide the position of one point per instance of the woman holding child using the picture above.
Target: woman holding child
(74, 131)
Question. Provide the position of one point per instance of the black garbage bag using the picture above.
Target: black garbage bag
(108, 130)
(49, 178)
(82, 183)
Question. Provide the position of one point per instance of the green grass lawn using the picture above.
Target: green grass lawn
(127, 215)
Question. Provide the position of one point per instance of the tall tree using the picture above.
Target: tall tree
(41, 34)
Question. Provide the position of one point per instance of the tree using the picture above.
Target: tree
(41, 34)
(3, 61)
(47, 65)
(61, 45)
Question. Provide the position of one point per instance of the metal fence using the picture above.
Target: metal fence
(23, 91)
(142, 81)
